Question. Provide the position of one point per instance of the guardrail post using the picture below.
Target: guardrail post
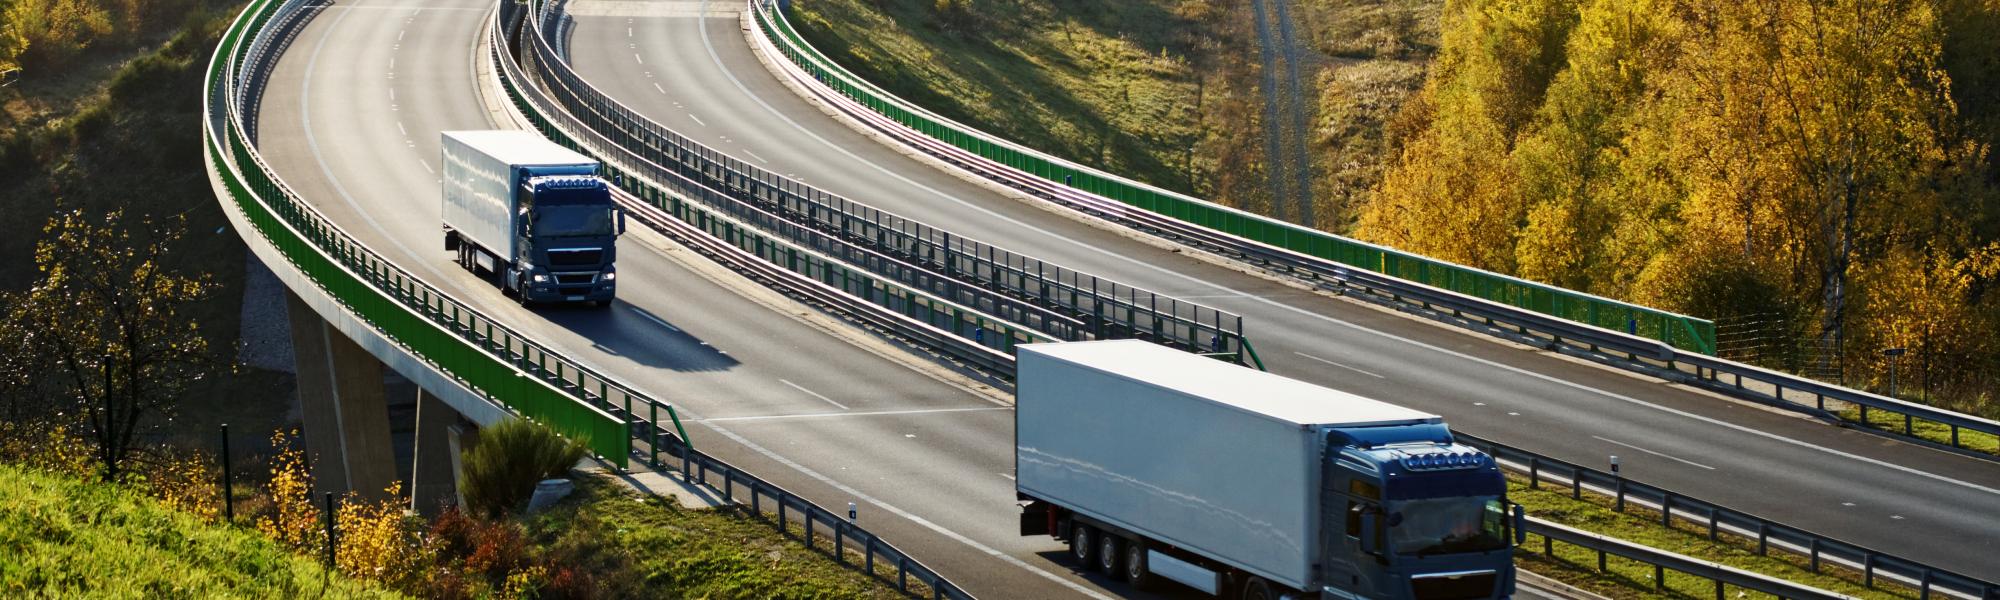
(1619, 488)
(1868, 570)
(783, 524)
(653, 433)
(840, 544)
(868, 555)
(902, 573)
(1763, 538)
(1534, 473)
(809, 527)
(1600, 560)
(1714, 512)
(1718, 589)
(1924, 586)
(1666, 509)
(1549, 547)
(1659, 577)
(1812, 549)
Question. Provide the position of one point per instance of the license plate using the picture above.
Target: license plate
(575, 298)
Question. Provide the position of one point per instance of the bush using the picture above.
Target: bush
(501, 469)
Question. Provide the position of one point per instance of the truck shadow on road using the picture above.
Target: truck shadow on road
(640, 336)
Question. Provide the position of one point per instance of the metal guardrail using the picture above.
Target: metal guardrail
(1006, 284)
(811, 516)
(914, 315)
(485, 356)
(1767, 534)
(1059, 179)
(1722, 575)
(1653, 349)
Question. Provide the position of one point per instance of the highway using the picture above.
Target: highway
(687, 65)
(351, 121)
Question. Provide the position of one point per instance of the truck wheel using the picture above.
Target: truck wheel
(1083, 545)
(1257, 589)
(1135, 566)
(1111, 555)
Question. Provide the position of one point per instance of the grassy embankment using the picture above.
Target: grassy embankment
(652, 548)
(66, 537)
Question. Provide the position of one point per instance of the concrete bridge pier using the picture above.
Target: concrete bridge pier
(344, 408)
(434, 467)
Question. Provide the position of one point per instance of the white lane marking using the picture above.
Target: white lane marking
(392, 95)
(399, 39)
(1009, 477)
(656, 85)
(926, 523)
(717, 60)
(697, 119)
(635, 56)
(1311, 357)
(755, 156)
(399, 127)
(392, 64)
(811, 393)
(628, 32)
(878, 413)
(660, 322)
(427, 165)
(1659, 454)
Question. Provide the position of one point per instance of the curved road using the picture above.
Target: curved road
(351, 121)
(687, 65)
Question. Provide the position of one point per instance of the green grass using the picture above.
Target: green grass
(1111, 84)
(1630, 579)
(1933, 431)
(645, 547)
(64, 537)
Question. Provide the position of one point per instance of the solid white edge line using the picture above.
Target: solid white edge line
(1311, 357)
(877, 413)
(1652, 452)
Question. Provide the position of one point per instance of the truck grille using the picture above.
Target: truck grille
(576, 278)
(585, 257)
(1465, 587)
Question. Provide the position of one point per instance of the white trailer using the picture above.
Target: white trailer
(1196, 470)
(483, 171)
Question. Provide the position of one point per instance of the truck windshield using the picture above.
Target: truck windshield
(572, 220)
(1427, 526)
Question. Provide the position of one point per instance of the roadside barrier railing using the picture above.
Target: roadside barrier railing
(1722, 576)
(1767, 535)
(1671, 346)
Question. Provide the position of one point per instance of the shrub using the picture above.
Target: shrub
(501, 469)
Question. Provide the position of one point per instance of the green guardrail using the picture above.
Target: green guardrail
(488, 359)
(1681, 331)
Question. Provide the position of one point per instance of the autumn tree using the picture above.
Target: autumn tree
(109, 329)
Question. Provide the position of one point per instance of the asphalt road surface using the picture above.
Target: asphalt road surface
(687, 65)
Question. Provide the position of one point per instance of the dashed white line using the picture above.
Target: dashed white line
(656, 85)
(635, 56)
(427, 165)
(399, 127)
(399, 39)
(628, 32)
(1311, 357)
(1009, 477)
(755, 156)
(660, 322)
(1659, 454)
(392, 94)
(878, 413)
(812, 393)
(697, 119)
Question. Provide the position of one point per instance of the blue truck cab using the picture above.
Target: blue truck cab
(532, 215)
(1420, 516)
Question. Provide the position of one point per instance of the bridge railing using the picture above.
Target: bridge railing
(1671, 346)
(486, 357)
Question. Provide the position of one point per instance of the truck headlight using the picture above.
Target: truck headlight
(611, 276)
(539, 278)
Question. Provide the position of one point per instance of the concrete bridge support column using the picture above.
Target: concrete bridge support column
(344, 409)
(435, 466)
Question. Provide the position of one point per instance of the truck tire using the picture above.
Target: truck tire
(1083, 545)
(1135, 566)
(1258, 589)
(1111, 555)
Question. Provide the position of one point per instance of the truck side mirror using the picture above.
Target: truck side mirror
(1369, 532)
(621, 222)
(1520, 525)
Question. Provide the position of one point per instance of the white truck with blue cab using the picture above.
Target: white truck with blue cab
(532, 214)
(1156, 464)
